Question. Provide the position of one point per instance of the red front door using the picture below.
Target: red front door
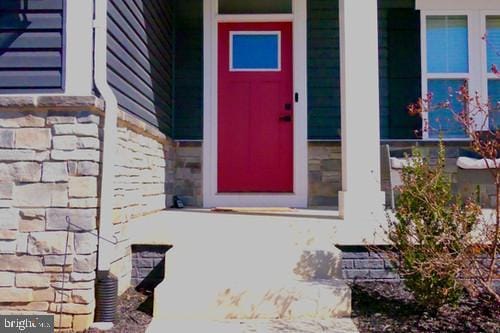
(255, 107)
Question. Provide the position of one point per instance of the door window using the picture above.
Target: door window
(254, 51)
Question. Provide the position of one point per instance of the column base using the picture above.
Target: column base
(362, 208)
(364, 218)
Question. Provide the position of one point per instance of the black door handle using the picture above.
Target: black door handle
(286, 118)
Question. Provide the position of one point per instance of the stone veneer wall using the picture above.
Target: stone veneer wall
(49, 170)
(148, 265)
(188, 172)
(143, 185)
(50, 155)
(325, 173)
(477, 184)
(359, 264)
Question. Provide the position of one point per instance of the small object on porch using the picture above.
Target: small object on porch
(178, 203)
(254, 210)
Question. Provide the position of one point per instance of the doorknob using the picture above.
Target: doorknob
(286, 118)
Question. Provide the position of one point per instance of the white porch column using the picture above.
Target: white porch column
(361, 201)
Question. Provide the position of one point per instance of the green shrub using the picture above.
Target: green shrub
(431, 232)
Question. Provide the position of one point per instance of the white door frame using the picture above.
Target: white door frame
(210, 44)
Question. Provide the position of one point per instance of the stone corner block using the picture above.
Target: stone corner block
(6, 138)
(31, 280)
(54, 172)
(25, 172)
(21, 263)
(80, 219)
(82, 187)
(55, 242)
(41, 195)
(8, 218)
(33, 138)
(18, 295)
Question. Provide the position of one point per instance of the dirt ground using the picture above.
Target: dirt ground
(387, 307)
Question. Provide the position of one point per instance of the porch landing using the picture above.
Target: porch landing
(163, 228)
(248, 272)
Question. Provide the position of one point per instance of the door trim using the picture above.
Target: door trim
(300, 161)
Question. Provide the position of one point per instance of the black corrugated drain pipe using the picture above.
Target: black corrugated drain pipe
(106, 297)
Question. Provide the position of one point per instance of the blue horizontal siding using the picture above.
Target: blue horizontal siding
(43, 5)
(140, 59)
(31, 46)
(399, 52)
(188, 69)
(323, 69)
(399, 68)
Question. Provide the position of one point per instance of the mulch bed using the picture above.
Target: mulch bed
(387, 307)
(377, 307)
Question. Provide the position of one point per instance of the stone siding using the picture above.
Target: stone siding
(148, 265)
(49, 172)
(359, 264)
(143, 182)
(188, 173)
(476, 184)
(325, 173)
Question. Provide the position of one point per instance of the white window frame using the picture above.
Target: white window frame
(476, 12)
(266, 32)
(474, 59)
(486, 75)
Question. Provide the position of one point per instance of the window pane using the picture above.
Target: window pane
(255, 51)
(494, 98)
(447, 44)
(493, 41)
(255, 6)
(444, 106)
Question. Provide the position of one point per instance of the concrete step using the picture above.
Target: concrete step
(252, 299)
(224, 246)
(339, 325)
(229, 266)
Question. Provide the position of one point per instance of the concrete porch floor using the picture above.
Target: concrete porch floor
(163, 227)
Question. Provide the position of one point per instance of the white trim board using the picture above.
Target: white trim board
(478, 75)
(210, 196)
(78, 51)
(457, 4)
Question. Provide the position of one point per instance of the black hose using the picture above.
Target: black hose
(106, 297)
